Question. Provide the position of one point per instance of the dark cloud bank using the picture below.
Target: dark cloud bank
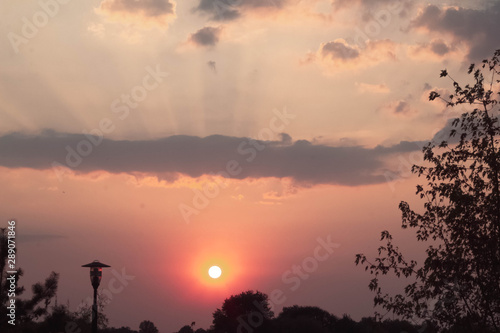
(479, 28)
(227, 10)
(304, 162)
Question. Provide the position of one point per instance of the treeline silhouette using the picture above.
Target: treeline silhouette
(250, 312)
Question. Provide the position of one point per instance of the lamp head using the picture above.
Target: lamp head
(95, 272)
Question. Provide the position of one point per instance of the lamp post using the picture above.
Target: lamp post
(95, 279)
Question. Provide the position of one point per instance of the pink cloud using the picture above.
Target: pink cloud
(435, 50)
(372, 88)
(338, 55)
(144, 12)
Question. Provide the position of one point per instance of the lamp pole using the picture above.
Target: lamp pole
(95, 279)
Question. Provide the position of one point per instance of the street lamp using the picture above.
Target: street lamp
(95, 279)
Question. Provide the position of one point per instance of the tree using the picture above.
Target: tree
(147, 327)
(306, 319)
(248, 310)
(345, 324)
(28, 310)
(84, 311)
(60, 319)
(458, 284)
(122, 329)
(186, 329)
(200, 330)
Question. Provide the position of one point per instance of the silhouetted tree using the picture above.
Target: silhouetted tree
(458, 283)
(299, 319)
(147, 327)
(398, 326)
(84, 312)
(186, 329)
(248, 310)
(122, 329)
(59, 319)
(306, 319)
(345, 325)
(28, 310)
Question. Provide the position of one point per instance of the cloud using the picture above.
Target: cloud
(339, 55)
(478, 28)
(372, 88)
(437, 49)
(366, 3)
(206, 37)
(38, 237)
(402, 107)
(227, 10)
(444, 133)
(440, 103)
(146, 12)
(96, 29)
(301, 161)
(375, 14)
(339, 49)
(399, 108)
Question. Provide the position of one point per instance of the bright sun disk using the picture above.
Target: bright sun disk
(214, 272)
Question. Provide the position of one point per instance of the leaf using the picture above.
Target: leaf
(433, 95)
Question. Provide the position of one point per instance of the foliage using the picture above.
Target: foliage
(35, 315)
(147, 327)
(186, 329)
(36, 307)
(60, 319)
(238, 310)
(84, 311)
(27, 310)
(122, 329)
(299, 318)
(200, 330)
(458, 285)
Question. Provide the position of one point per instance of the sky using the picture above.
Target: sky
(273, 138)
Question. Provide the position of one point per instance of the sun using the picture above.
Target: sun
(215, 272)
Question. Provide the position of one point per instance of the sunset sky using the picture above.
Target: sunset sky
(162, 137)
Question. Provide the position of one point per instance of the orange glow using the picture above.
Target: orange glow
(194, 283)
(226, 262)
